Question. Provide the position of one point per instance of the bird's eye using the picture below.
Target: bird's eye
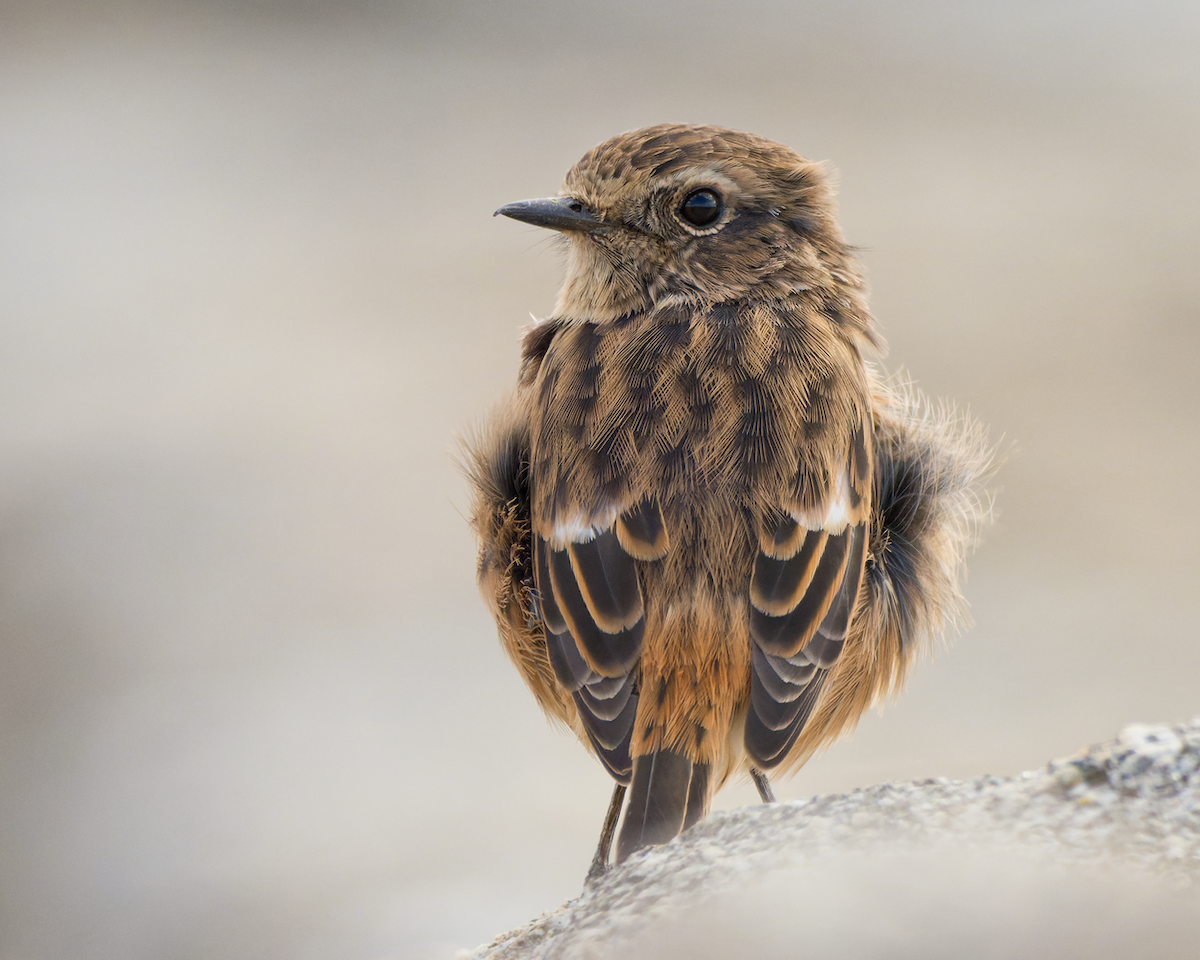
(701, 208)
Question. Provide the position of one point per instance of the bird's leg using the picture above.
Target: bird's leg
(600, 861)
(763, 784)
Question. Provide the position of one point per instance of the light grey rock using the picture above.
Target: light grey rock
(1097, 855)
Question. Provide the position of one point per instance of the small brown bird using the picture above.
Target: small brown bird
(711, 534)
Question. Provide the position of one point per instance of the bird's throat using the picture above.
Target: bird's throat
(599, 286)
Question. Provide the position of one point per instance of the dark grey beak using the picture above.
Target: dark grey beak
(556, 213)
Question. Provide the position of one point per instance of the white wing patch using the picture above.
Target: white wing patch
(578, 528)
(834, 516)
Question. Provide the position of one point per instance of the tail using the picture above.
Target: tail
(668, 794)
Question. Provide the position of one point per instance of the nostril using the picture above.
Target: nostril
(576, 207)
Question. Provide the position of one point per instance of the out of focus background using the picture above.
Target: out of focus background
(250, 288)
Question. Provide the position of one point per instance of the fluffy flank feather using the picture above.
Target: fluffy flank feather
(932, 468)
(495, 459)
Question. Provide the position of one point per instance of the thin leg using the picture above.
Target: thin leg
(763, 784)
(600, 861)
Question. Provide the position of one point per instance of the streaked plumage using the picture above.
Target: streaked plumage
(712, 535)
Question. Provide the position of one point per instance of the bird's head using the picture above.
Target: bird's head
(692, 213)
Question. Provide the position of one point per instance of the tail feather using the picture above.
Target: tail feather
(668, 794)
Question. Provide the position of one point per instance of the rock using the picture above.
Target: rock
(1094, 856)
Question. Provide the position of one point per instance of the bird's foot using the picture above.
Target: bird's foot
(763, 784)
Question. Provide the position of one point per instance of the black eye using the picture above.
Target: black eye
(701, 207)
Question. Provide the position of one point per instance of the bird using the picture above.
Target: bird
(712, 531)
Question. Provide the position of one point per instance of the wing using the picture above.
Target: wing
(589, 599)
(803, 591)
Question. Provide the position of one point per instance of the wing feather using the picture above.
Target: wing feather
(610, 738)
(608, 582)
(547, 608)
(786, 635)
(773, 713)
(609, 654)
(803, 592)
(782, 542)
(569, 666)
(773, 674)
(642, 531)
(777, 585)
(826, 645)
(797, 670)
(768, 747)
(589, 599)
(606, 698)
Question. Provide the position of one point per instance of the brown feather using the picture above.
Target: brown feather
(735, 532)
(777, 586)
(783, 540)
(610, 654)
(642, 531)
(497, 463)
(608, 581)
(787, 634)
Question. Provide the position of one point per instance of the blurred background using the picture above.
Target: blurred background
(250, 288)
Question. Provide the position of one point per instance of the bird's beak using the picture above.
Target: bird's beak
(556, 213)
